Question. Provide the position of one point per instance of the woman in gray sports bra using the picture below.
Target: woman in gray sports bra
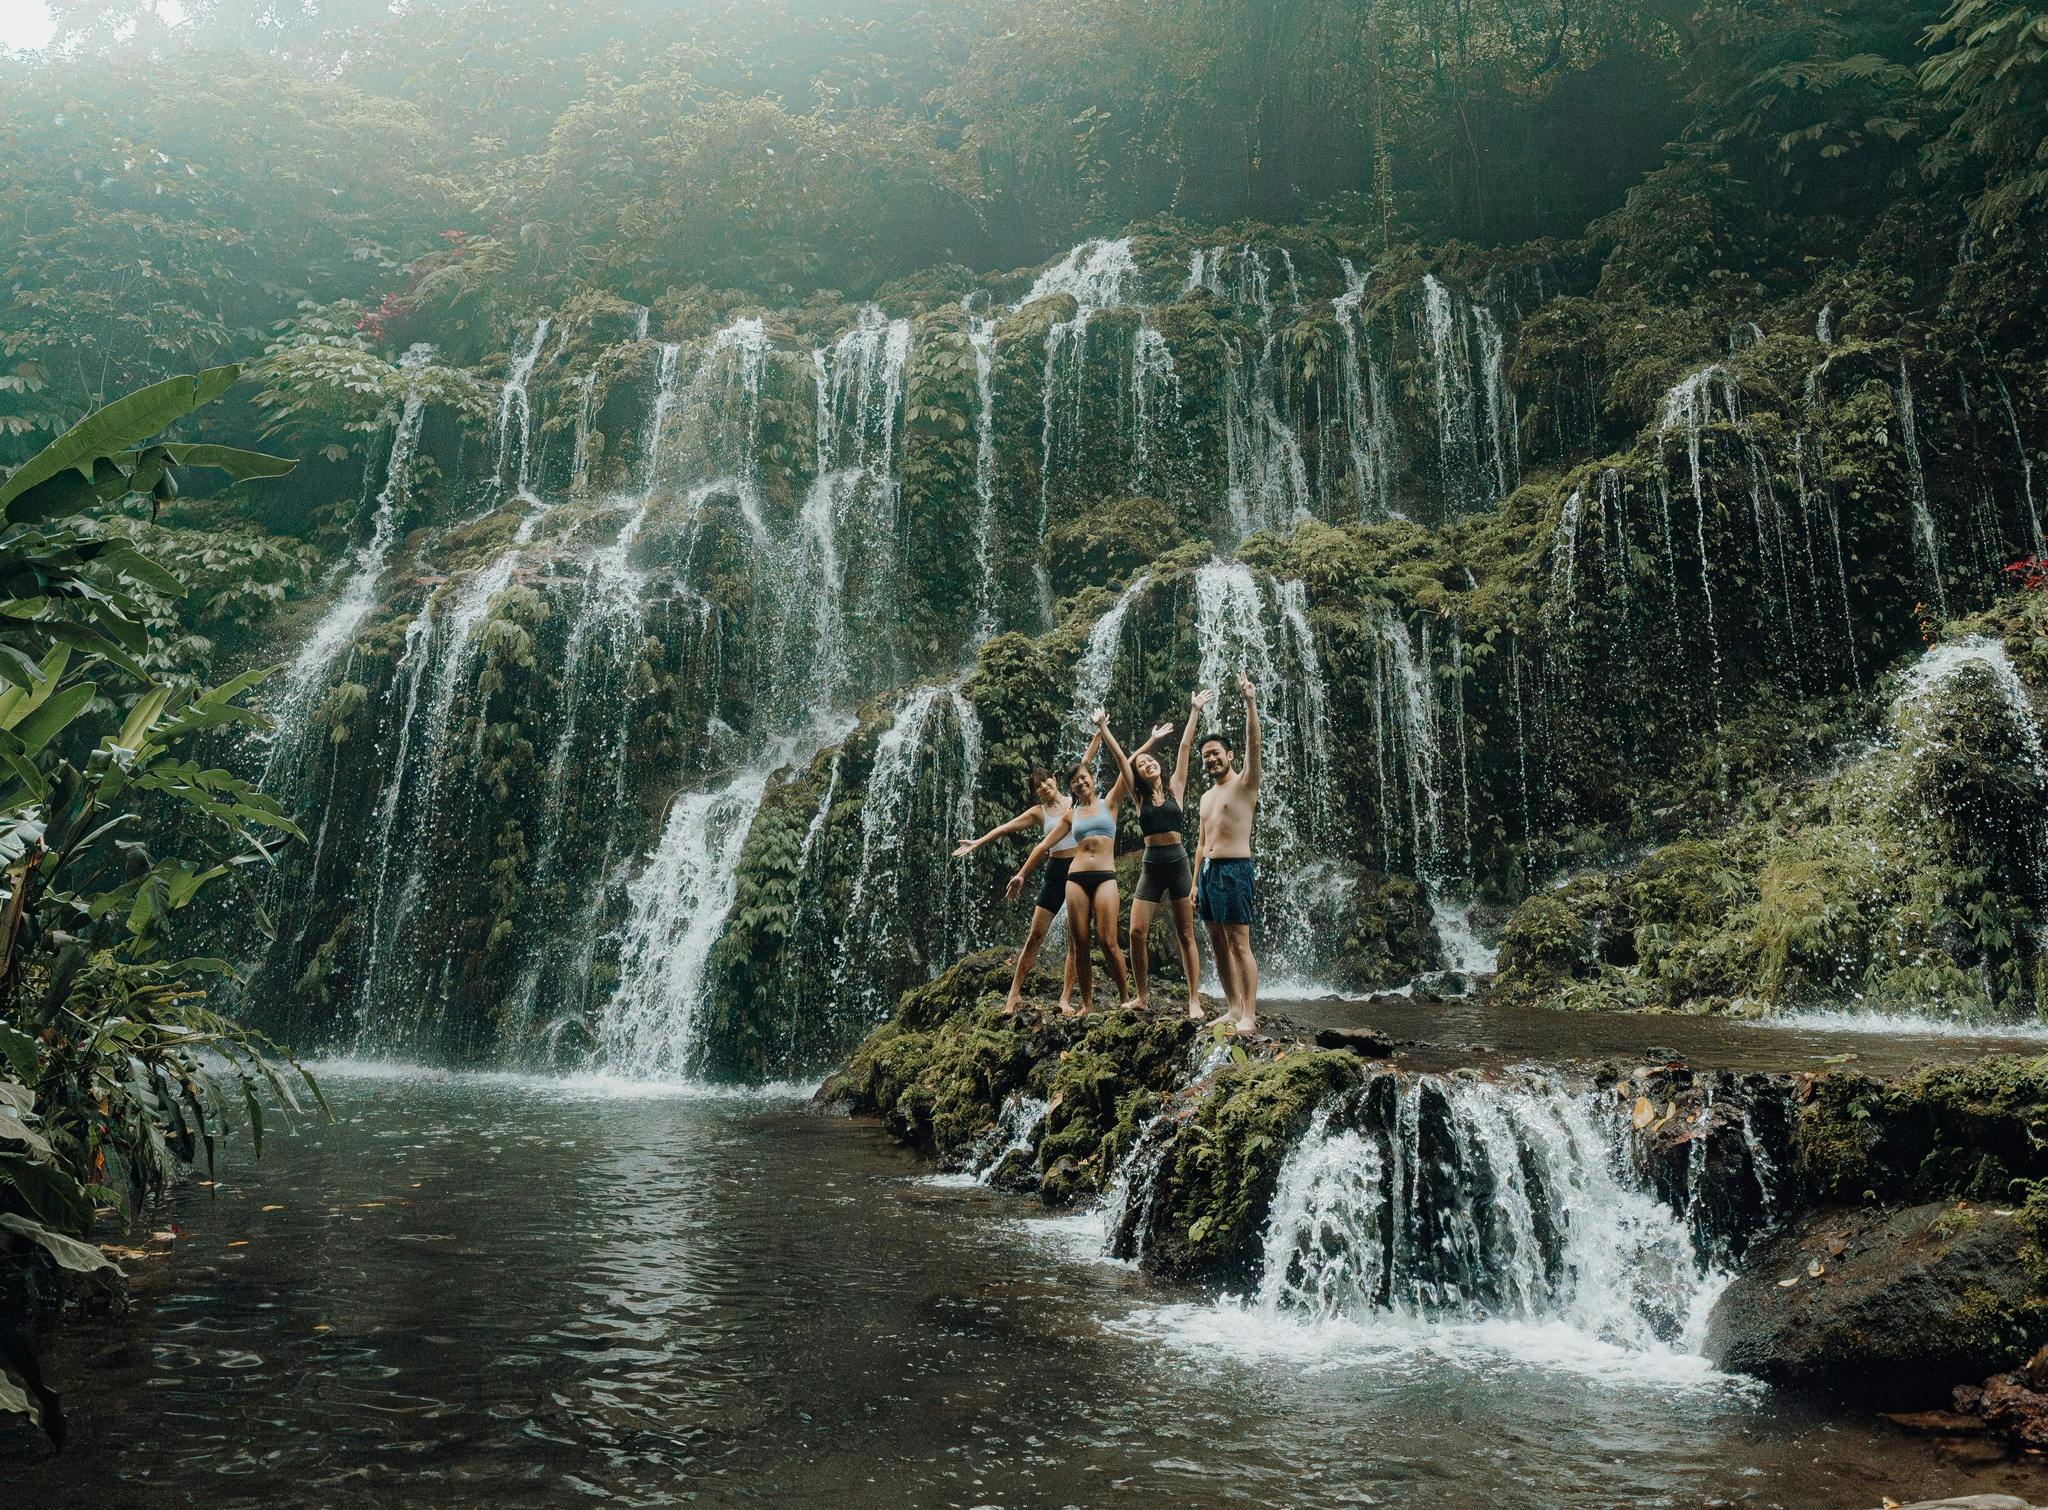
(1091, 878)
(1165, 876)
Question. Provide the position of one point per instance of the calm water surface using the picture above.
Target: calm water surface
(490, 1290)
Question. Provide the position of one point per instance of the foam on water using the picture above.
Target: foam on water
(1901, 1025)
(1235, 1330)
(578, 1086)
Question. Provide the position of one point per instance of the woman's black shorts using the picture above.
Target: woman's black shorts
(1052, 891)
(1165, 873)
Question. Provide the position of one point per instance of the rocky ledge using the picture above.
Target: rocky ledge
(1888, 1233)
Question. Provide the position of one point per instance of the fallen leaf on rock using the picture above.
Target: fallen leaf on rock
(273, 1208)
(163, 1237)
(1643, 1112)
(1815, 1269)
(2003, 1211)
(240, 1242)
(1786, 1284)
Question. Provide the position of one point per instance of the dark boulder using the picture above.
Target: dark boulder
(1888, 1308)
(1366, 1043)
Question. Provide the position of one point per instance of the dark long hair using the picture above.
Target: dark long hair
(1151, 793)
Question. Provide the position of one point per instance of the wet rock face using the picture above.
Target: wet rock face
(1716, 1148)
(1889, 1308)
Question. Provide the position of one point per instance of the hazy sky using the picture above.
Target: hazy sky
(23, 23)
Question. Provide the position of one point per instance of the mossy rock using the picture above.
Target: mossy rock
(1215, 1187)
(1105, 544)
(1971, 1130)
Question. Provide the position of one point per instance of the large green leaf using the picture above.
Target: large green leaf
(69, 1252)
(118, 427)
(54, 716)
(238, 464)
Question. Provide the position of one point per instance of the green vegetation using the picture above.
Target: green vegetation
(113, 1071)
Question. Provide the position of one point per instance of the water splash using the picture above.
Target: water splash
(1431, 1201)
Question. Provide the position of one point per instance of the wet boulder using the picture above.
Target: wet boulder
(1207, 1206)
(1366, 1043)
(1888, 1308)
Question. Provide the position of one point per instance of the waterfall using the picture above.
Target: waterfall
(515, 416)
(1462, 343)
(981, 340)
(1423, 1201)
(1926, 540)
(1564, 557)
(381, 932)
(1408, 745)
(1097, 665)
(920, 795)
(306, 678)
(1092, 274)
(833, 586)
(1016, 1131)
(579, 455)
(1266, 474)
(649, 1029)
(2019, 445)
(1367, 406)
(1155, 403)
(665, 365)
(1689, 408)
(1941, 664)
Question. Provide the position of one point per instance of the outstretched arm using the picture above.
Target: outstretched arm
(1252, 767)
(1179, 785)
(1044, 847)
(1017, 824)
(1123, 785)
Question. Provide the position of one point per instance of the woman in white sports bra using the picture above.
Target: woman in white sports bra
(1049, 808)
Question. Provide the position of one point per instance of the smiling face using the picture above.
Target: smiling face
(1216, 760)
(1047, 791)
(1147, 768)
(1082, 784)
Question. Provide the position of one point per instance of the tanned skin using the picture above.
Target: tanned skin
(1228, 808)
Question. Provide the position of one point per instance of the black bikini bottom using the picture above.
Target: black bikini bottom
(1090, 880)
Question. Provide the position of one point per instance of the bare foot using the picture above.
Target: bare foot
(1073, 1011)
(1012, 1007)
(1135, 1004)
(1224, 1020)
(1194, 1009)
(1249, 1023)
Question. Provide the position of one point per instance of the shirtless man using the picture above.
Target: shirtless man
(1223, 865)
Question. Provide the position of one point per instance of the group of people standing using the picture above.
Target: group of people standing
(1078, 853)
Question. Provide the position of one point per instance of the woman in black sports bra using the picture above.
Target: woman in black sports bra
(1165, 875)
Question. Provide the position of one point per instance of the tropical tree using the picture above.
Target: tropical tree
(113, 1071)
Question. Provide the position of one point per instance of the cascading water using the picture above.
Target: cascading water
(912, 908)
(981, 340)
(1476, 430)
(306, 678)
(1097, 665)
(1092, 274)
(649, 1028)
(515, 417)
(1421, 1201)
(1367, 405)
(1926, 539)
